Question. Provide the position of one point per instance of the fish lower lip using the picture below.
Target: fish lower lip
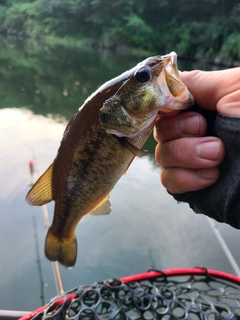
(168, 114)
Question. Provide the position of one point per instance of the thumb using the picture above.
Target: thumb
(215, 90)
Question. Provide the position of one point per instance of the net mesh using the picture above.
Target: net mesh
(191, 296)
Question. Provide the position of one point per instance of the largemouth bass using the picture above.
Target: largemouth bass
(99, 144)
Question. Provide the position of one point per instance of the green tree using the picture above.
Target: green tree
(191, 27)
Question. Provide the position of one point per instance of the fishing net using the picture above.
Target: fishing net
(194, 293)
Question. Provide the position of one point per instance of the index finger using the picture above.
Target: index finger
(215, 90)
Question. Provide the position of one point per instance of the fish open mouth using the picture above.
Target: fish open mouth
(177, 96)
(170, 64)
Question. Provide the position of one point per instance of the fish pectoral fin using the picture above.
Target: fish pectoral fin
(134, 150)
(103, 208)
(41, 192)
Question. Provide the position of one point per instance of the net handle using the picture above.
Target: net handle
(151, 274)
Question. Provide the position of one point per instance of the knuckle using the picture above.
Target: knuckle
(171, 179)
(180, 180)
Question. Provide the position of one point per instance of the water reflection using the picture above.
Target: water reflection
(41, 87)
(53, 79)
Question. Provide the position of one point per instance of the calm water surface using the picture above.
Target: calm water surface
(41, 87)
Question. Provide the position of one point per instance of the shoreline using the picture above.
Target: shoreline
(121, 49)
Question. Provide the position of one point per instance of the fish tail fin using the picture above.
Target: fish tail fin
(62, 250)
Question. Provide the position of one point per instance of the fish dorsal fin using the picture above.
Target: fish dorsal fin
(41, 192)
(103, 208)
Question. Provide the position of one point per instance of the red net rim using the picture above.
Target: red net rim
(151, 274)
(181, 272)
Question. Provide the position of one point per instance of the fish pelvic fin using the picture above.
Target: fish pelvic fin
(62, 250)
(41, 192)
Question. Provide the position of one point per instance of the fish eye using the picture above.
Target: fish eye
(143, 75)
(105, 117)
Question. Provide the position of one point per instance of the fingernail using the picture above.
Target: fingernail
(190, 125)
(208, 150)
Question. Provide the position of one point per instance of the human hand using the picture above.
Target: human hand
(189, 159)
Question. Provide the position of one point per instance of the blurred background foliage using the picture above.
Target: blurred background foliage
(193, 28)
